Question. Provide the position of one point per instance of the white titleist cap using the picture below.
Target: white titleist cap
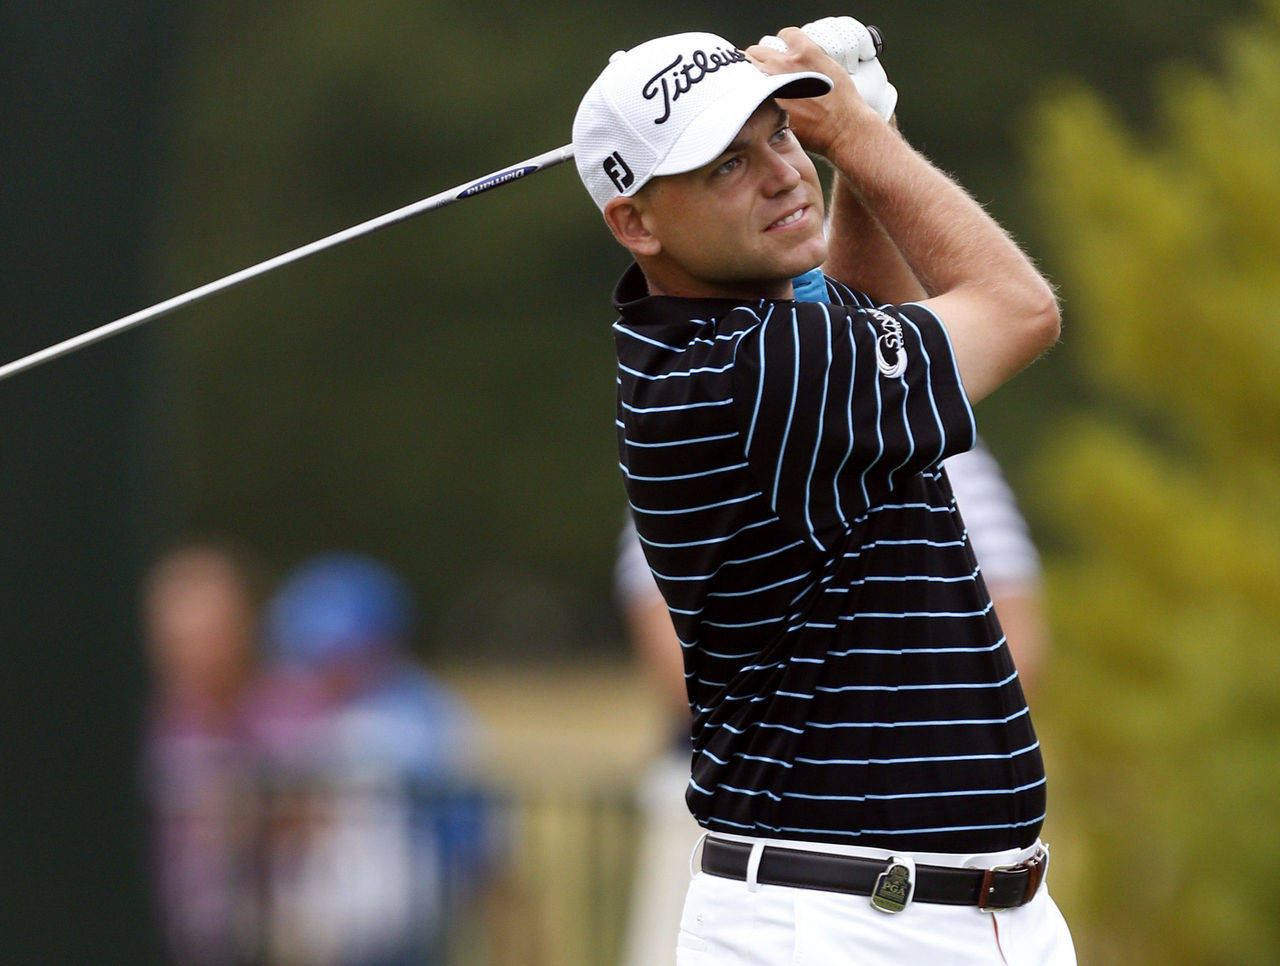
(669, 106)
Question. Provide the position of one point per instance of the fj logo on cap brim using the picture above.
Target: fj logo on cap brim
(895, 885)
(618, 172)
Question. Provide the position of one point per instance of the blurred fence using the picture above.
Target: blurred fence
(363, 873)
(561, 894)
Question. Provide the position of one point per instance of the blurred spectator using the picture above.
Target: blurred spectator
(1011, 568)
(376, 837)
(199, 616)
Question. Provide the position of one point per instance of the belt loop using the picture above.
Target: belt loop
(693, 856)
(987, 889)
(753, 866)
(1038, 867)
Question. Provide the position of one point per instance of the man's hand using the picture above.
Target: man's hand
(853, 47)
(819, 123)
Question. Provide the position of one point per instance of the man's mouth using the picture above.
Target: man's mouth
(790, 219)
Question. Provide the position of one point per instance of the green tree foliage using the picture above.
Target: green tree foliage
(1163, 710)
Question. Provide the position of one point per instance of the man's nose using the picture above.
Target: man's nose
(781, 175)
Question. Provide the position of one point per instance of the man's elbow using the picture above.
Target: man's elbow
(1042, 318)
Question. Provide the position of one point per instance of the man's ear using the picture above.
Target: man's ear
(626, 219)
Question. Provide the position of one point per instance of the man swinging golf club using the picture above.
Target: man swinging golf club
(863, 759)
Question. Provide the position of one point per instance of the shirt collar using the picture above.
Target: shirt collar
(633, 302)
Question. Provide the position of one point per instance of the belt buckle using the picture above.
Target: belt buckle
(895, 886)
(1035, 867)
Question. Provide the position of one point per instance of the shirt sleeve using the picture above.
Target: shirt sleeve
(839, 404)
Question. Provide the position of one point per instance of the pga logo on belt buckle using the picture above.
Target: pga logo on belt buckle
(895, 885)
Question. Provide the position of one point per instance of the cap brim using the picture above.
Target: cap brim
(714, 129)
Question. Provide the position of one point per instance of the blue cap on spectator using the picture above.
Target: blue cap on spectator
(337, 606)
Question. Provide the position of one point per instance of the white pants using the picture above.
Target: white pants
(726, 924)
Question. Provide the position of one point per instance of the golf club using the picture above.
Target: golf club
(457, 193)
(469, 189)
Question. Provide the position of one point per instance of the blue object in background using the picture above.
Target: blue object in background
(338, 606)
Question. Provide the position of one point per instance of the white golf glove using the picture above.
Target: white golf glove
(850, 45)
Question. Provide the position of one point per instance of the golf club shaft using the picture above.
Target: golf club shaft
(467, 190)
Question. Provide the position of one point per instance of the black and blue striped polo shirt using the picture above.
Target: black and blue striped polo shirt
(848, 678)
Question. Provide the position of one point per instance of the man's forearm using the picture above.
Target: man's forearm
(999, 311)
(861, 253)
(945, 238)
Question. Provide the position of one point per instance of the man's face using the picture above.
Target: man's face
(743, 225)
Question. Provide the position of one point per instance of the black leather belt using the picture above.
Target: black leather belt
(1000, 888)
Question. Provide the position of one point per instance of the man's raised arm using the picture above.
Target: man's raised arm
(998, 310)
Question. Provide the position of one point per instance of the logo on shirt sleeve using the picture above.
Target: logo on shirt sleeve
(891, 351)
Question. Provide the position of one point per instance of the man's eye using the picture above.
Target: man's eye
(780, 135)
(728, 166)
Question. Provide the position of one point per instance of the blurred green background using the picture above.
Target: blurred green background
(441, 394)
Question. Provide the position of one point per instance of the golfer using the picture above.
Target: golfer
(863, 763)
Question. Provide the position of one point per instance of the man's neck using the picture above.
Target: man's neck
(661, 283)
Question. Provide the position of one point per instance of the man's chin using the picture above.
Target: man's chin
(810, 255)
(808, 264)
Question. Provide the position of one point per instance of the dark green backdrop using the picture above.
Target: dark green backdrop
(82, 109)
